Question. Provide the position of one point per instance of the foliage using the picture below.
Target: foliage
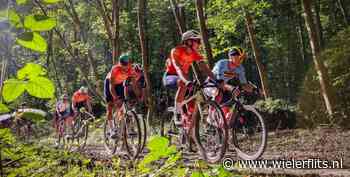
(31, 79)
(271, 105)
(311, 104)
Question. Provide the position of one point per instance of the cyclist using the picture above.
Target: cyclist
(227, 70)
(114, 88)
(178, 66)
(63, 112)
(81, 99)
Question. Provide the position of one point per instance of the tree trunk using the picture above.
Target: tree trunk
(344, 12)
(116, 52)
(326, 88)
(204, 32)
(178, 20)
(141, 25)
(257, 54)
(318, 24)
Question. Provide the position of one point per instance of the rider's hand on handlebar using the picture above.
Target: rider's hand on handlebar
(189, 84)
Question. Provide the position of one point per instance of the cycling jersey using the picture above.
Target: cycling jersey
(169, 67)
(223, 71)
(79, 97)
(185, 58)
(119, 74)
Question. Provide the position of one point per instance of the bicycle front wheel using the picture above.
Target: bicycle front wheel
(81, 129)
(132, 134)
(210, 131)
(249, 134)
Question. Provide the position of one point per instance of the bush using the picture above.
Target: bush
(278, 113)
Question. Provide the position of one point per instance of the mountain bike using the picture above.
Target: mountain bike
(81, 128)
(249, 133)
(209, 133)
(130, 135)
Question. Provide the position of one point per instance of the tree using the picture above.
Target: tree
(145, 60)
(257, 53)
(326, 88)
(204, 32)
(179, 17)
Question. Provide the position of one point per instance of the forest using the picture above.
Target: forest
(297, 59)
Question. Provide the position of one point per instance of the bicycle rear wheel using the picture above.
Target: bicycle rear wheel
(132, 134)
(249, 134)
(210, 132)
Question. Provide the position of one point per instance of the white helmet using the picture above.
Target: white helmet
(191, 34)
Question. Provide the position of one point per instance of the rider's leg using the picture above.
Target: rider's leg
(180, 94)
(109, 114)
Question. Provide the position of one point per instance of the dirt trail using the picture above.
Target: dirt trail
(323, 144)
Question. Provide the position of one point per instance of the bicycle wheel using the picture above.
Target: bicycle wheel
(249, 134)
(111, 143)
(210, 131)
(143, 131)
(132, 134)
(81, 129)
(61, 140)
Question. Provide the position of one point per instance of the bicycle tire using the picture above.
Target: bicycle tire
(110, 144)
(240, 151)
(132, 151)
(82, 128)
(144, 132)
(220, 130)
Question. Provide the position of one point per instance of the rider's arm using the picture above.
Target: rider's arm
(88, 102)
(177, 66)
(243, 80)
(205, 69)
(112, 90)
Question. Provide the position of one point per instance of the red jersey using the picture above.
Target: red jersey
(169, 67)
(185, 58)
(80, 97)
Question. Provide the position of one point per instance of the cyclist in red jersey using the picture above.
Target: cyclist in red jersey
(114, 88)
(181, 59)
(81, 99)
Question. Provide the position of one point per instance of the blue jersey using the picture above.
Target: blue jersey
(222, 67)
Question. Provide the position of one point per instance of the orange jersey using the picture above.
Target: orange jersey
(185, 58)
(118, 75)
(80, 97)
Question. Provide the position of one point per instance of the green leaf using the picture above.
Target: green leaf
(20, 2)
(51, 1)
(158, 143)
(14, 19)
(197, 174)
(40, 87)
(32, 40)
(31, 70)
(3, 108)
(39, 22)
(12, 89)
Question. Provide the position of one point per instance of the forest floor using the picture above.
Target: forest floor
(298, 144)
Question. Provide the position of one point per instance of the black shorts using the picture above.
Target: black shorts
(79, 105)
(107, 93)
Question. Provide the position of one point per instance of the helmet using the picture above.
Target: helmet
(191, 34)
(83, 89)
(137, 67)
(124, 59)
(64, 97)
(236, 51)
